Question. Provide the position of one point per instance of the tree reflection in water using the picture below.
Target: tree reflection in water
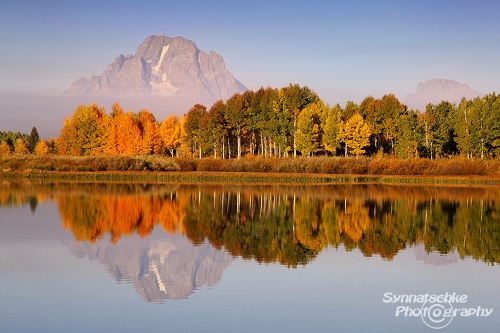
(288, 224)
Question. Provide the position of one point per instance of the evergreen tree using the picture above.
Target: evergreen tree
(33, 139)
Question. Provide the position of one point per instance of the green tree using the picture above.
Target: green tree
(217, 128)
(409, 135)
(297, 99)
(463, 126)
(33, 139)
(237, 117)
(441, 134)
(483, 126)
(193, 133)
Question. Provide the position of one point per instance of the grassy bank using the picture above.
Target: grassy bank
(316, 169)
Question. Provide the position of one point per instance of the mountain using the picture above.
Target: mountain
(437, 90)
(165, 68)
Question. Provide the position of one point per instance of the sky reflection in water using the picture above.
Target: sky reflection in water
(180, 248)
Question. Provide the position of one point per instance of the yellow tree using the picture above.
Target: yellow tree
(170, 132)
(53, 145)
(85, 132)
(184, 148)
(355, 134)
(41, 148)
(307, 136)
(5, 148)
(330, 124)
(20, 147)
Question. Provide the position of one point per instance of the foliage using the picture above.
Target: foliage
(280, 123)
(355, 134)
(41, 148)
(33, 139)
(20, 147)
(5, 148)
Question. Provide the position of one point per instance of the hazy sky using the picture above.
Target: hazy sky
(343, 50)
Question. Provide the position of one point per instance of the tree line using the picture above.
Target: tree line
(285, 122)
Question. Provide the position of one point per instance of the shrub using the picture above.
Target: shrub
(186, 163)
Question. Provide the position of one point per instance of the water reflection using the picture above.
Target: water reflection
(272, 223)
(170, 268)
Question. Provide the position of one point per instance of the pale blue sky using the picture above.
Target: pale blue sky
(343, 50)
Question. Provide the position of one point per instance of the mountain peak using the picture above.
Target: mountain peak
(163, 67)
(437, 90)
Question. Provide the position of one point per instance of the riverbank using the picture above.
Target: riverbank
(244, 178)
(251, 170)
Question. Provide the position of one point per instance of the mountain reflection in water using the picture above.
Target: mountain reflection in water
(288, 224)
(167, 268)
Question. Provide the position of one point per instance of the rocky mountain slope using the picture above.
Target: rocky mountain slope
(437, 90)
(163, 67)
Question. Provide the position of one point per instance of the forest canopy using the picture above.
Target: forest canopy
(287, 122)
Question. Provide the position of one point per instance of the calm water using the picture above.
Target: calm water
(78, 257)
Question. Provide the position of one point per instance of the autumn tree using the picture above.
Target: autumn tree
(330, 124)
(21, 147)
(41, 148)
(85, 132)
(308, 135)
(128, 134)
(113, 130)
(170, 132)
(5, 148)
(355, 134)
(297, 99)
(350, 109)
(53, 145)
(150, 134)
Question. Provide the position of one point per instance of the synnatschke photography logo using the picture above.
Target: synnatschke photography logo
(436, 311)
